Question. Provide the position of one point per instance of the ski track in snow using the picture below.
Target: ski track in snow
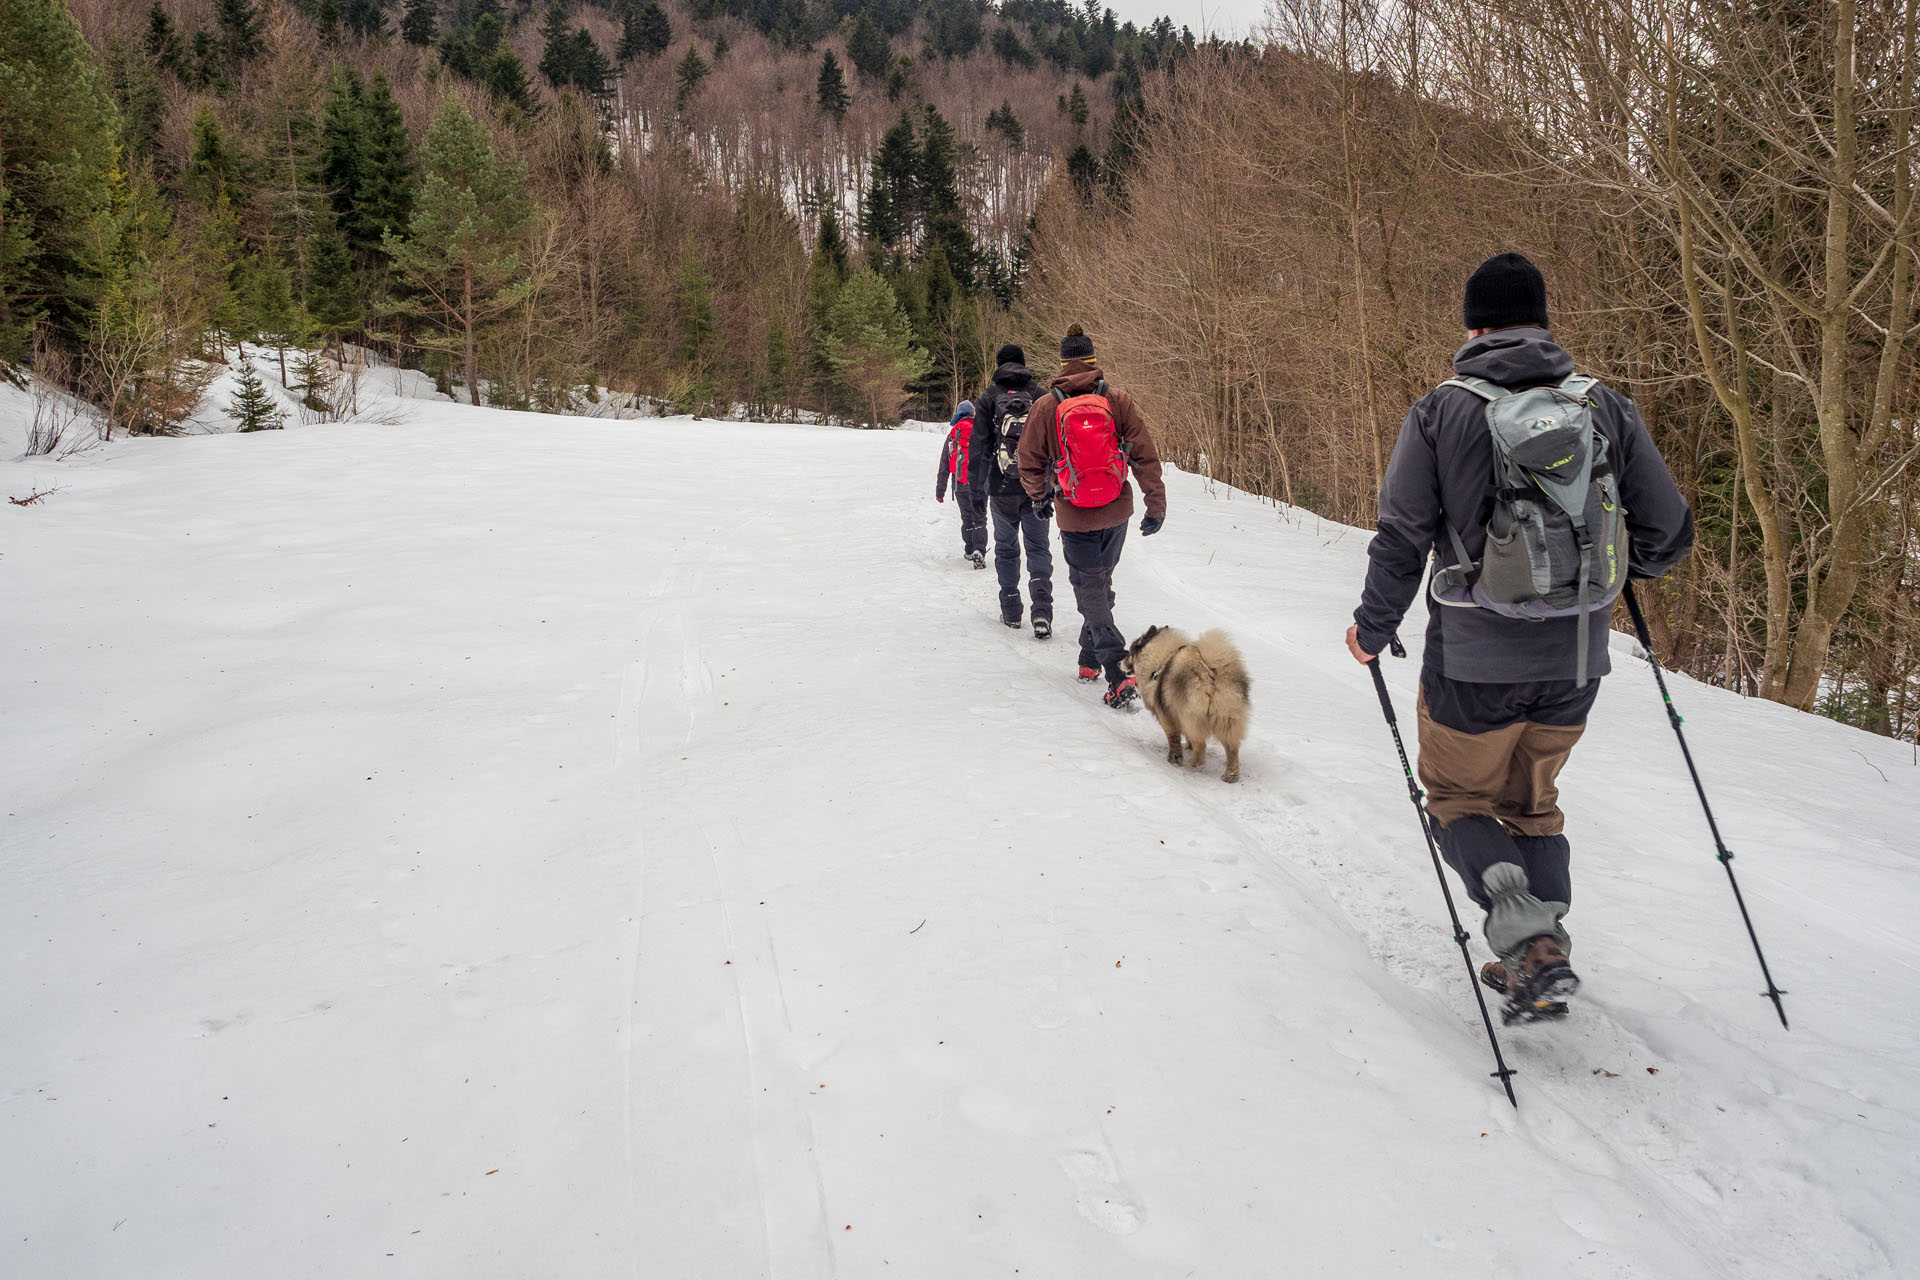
(926, 964)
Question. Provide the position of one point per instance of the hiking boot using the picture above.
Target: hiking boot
(1043, 628)
(1088, 672)
(979, 559)
(1537, 979)
(1122, 696)
(1011, 621)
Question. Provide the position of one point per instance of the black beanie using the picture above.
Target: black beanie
(1076, 345)
(1009, 354)
(1505, 290)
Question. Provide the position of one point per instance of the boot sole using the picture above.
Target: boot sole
(1543, 999)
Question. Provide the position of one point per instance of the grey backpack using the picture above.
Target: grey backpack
(1556, 537)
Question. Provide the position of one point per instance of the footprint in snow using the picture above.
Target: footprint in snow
(1103, 1199)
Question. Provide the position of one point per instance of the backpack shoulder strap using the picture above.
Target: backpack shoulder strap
(1578, 385)
(1478, 386)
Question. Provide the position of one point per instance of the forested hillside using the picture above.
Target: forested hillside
(840, 207)
(807, 205)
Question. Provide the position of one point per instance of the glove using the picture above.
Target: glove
(1044, 508)
(1151, 525)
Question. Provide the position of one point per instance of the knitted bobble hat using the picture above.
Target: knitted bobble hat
(1076, 345)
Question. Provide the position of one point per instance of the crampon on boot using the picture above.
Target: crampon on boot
(1536, 981)
(1088, 672)
(1122, 696)
(1043, 628)
(979, 559)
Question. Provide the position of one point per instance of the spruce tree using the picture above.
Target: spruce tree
(868, 47)
(421, 23)
(163, 45)
(698, 350)
(252, 407)
(209, 64)
(383, 198)
(240, 27)
(365, 18)
(328, 292)
(648, 32)
(892, 189)
(506, 78)
(691, 71)
(57, 131)
(870, 346)
(343, 153)
(831, 91)
(326, 20)
(556, 59)
(461, 250)
(276, 318)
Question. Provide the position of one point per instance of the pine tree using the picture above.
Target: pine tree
(240, 26)
(1002, 121)
(645, 32)
(939, 197)
(252, 406)
(903, 81)
(365, 18)
(870, 346)
(831, 246)
(691, 71)
(57, 130)
(383, 199)
(328, 293)
(421, 22)
(556, 59)
(163, 44)
(506, 78)
(461, 249)
(832, 88)
(276, 319)
(315, 380)
(720, 47)
(1076, 109)
(893, 187)
(343, 152)
(868, 47)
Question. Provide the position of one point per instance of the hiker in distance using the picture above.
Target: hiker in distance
(1079, 441)
(1539, 492)
(953, 466)
(999, 420)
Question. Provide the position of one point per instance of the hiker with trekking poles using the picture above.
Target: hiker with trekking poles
(1538, 493)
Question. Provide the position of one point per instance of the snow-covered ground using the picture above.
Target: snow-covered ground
(502, 845)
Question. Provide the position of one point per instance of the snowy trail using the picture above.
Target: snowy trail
(487, 846)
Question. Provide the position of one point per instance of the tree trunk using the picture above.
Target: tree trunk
(466, 322)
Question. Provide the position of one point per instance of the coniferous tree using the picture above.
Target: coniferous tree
(343, 153)
(329, 294)
(645, 32)
(57, 130)
(903, 81)
(252, 407)
(1004, 122)
(939, 197)
(830, 246)
(556, 58)
(134, 84)
(692, 70)
(163, 44)
(209, 64)
(210, 183)
(421, 24)
(893, 187)
(698, 351)
(240, 27)
(461, 249)
(868, 47)
(326, 20)
(365, 18)
(506, 78)
(831, 91)
(276, 318)
(870, 346)
(383, 198)
(720, 47)
(1075, 108)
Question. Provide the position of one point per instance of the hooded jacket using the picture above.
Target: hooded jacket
(959, 425)
(1442, 469)
(1008, 377)
(1040, 447)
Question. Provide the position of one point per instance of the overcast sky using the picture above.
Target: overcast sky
(1226, 17)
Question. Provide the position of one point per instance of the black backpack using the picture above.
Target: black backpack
(1009, 420)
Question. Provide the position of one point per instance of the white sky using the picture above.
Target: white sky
(1226, 17)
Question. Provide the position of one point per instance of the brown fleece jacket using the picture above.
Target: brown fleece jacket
(1040, 448)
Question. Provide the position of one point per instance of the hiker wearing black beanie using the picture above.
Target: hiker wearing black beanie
(1000, 415)
(1511, 667)
(1093, 517)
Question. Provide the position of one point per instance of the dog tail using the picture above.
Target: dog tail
(1228, 699)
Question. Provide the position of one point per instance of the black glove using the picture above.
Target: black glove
(1151, 525)
(1044, 508)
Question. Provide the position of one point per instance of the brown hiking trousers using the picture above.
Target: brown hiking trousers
(1508, 773)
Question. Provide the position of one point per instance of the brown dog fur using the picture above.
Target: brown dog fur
(1196, 689)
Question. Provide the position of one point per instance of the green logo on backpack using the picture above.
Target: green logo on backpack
(1556, 524)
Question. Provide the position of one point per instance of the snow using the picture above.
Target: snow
(496, 844)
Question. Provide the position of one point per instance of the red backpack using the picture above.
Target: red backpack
(959, 449)
(1092, 467)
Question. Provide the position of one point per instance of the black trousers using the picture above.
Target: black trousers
(973, 520)
(1016, 520)
(1091, 557)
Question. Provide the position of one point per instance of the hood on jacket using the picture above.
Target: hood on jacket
(1526, 356)
(964, 411)
(1012, 374)
(1078, 377)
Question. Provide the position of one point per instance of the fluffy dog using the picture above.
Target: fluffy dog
(1196, 689)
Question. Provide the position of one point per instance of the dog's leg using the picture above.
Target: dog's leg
(1233, 763)
(1199, 756)
(1173, 747)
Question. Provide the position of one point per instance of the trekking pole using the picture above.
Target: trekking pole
(1725, 855)
(1414, 794)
